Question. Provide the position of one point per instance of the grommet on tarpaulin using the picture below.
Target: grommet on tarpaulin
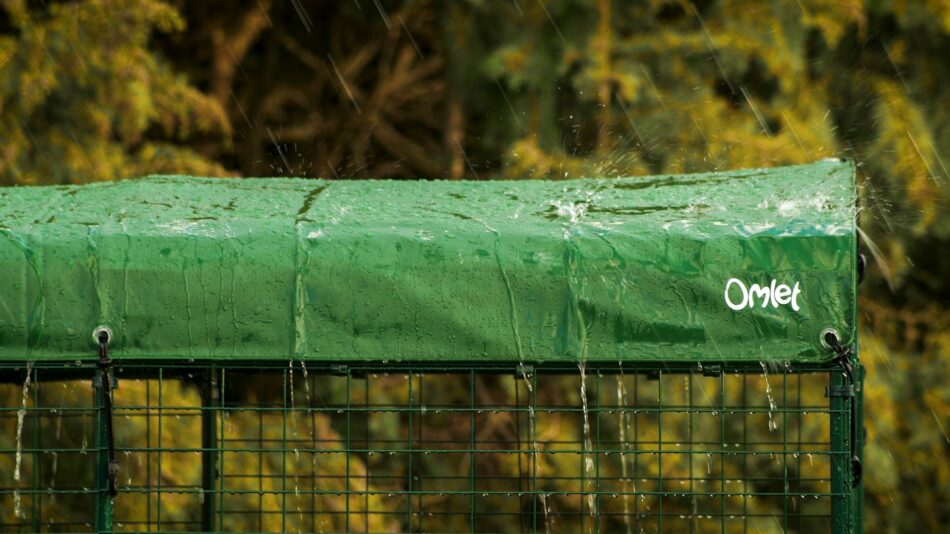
(831, 339)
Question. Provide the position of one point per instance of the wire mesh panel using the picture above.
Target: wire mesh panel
(404, 448)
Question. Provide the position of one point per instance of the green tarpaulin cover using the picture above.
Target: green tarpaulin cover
(748, 265)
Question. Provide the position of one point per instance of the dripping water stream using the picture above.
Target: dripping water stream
(625, 449)
(536, 452)
(588, 445)
(768, 393)
(20, 418)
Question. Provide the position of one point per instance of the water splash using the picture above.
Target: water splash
(306, 382)
(768, 393)
(940, 426)
(54, 468)
(467, 161)
(625, 449)
(383, 14)
(536, 453)
(713, 49)
(293, 404)
(20, 418)
(551, 20)
(878, 256)
(755, 111)
(346, 88)
(511, 108)
(542, 496)
(59, 413)
(574, 211)
(128, 470)
(85, 436)
(303, 15)
(293, 437)
(411, 38)
(588, 445)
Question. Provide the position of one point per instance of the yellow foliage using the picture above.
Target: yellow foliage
(85, 91)
(907, 143)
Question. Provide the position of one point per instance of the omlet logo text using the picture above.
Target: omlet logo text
(775, 294)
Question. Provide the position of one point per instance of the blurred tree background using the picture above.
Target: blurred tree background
(484, 89)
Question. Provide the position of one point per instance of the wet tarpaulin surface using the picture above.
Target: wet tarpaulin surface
(745, 265)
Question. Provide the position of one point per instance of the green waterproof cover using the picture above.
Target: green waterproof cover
(672, 268)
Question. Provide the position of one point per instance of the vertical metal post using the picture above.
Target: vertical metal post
(472, 458)
(841, 501)
(858, 416)
(36, 502)
(105, 502)
(847, 429)
(209, 449)
(106, 467)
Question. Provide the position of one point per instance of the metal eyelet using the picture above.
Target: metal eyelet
(830, 343)
(98, 333)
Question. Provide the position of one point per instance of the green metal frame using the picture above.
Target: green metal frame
(460, 405)
(359, 447)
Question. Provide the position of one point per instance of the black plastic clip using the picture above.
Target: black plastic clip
(105, 383)
(842, 354)
(843, 359)
(525, 371)
(839, 391)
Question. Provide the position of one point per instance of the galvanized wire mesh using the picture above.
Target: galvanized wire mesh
(277, 447)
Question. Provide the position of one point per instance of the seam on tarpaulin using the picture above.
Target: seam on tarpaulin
(300, 332)
(92, 247)
(512, 306)
(571, 258)
(39, 303)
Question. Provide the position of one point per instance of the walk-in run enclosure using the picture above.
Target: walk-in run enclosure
(655, 354)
